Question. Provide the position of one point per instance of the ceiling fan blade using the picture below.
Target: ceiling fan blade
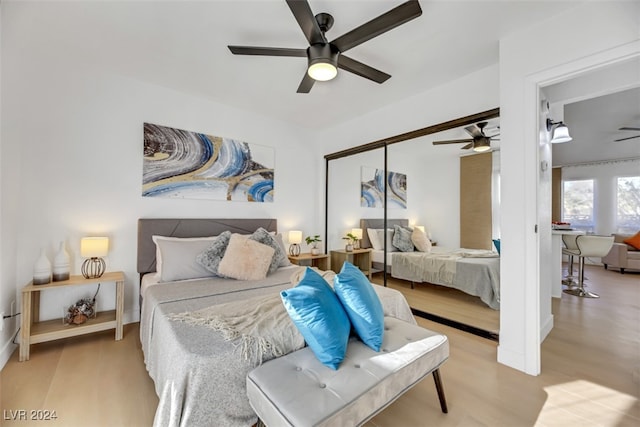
(307, 21)
(624, 139)
(267, 51)
(474, 131)
(466, 147)
(630, 128)
(453, 141)
(383, 23)
(306, 84)
(362, 70)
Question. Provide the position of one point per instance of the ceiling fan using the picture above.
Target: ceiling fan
(325, 57)
(629, 137)
(479, 141)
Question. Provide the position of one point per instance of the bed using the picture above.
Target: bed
(199, 377)
(475, 272)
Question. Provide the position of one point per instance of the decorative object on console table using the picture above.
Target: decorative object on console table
(61, 264)
(361, 258)
(42, 269)
(93, 248)
(358, 233)
(351, 241)
(313, 242)
(295, 238)
(320, 261)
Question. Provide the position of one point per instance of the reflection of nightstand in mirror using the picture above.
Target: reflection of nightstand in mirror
(361, 258)
(319, 261)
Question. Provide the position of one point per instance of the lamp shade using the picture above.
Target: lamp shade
(94, 247)
(420, 227)
(295, 236)
(561, 134)
(357, 232)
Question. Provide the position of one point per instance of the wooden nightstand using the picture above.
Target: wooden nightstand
(33, 331)
(361, 258)
(320, 261)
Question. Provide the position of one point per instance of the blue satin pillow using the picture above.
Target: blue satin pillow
(317, 313)
(361, 303)
(496, 243)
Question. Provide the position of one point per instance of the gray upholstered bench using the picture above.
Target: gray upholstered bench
(297, 390)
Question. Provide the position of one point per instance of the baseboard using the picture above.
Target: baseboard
(546, 328)
(7, 350)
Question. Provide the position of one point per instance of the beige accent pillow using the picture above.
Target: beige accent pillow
(420, 240)
(245, 259)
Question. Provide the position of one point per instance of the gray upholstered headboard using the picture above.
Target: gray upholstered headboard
(189, 227)
(377, 223)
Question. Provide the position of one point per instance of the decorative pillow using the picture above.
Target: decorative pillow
(381, 237)
(285, 261)
(420, 240)
(496, 243)
(361, 303)
(373, 238)
(317, 313)
(245, 259)
(633, 240)
(279, 256)
(402, 238)
(210, 258)
(176, 257)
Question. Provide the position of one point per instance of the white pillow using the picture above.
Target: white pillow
(420, 240)
(176, 257)
(246, 259)
(373, 238)
(390, 247)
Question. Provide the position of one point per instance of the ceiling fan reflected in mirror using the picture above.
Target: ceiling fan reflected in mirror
(629, 137)
(479, 141)
(324, 57)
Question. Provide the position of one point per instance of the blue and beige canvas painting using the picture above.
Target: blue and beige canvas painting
(372, 189)
(184, 164)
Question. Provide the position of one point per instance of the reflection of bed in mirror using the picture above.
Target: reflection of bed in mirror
(475, 272)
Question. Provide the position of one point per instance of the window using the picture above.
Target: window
(577, 204)
(628, 205)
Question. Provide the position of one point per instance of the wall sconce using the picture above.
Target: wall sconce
(295, 238)
(358, 233)
(560, 132)
(93, 248)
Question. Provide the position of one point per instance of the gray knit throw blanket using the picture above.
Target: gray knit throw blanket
(260, 327)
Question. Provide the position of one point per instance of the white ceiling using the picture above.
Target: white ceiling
(183, 45)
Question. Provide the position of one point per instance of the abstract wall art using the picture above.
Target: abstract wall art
(183, 164)
(372, 189)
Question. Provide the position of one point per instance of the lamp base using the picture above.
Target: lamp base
(294, 249)
(92, 268)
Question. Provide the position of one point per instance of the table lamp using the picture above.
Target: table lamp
(93, 248)
(358, 233)
(295, 238)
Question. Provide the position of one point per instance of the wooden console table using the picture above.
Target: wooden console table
(33, 331)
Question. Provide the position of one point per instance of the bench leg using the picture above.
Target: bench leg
(440, 389)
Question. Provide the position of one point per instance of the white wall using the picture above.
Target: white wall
(72, 165)
(572, 42)
(433, 194)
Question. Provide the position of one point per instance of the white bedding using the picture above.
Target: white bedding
(199, 377)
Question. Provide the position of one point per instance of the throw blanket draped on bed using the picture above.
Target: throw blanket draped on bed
(261, 326)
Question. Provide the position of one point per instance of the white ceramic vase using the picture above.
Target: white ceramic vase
(42, 270)
(61, 264)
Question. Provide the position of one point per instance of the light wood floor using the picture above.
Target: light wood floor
(590, 374)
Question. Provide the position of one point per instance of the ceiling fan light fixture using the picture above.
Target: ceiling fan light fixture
(560, 132)
(481, 145)
(323, 62)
